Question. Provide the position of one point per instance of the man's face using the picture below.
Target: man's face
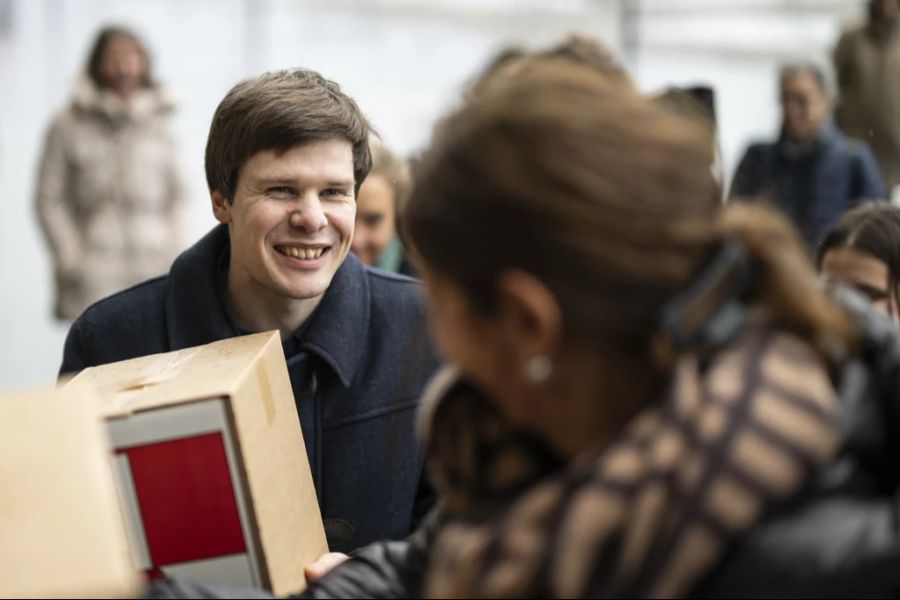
(291, 219)
(374, 218)
(804, 106)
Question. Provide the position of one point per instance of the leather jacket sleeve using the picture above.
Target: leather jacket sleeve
(842, 537)
(381, 570)
(390, 569)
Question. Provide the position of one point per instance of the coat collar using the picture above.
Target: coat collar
(826, 137)
(195, 312)
(338, 332)
(147, 102)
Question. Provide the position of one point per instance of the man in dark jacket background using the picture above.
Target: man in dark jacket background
(286, 154)
(812, 172)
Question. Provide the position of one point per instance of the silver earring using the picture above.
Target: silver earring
(538, 369)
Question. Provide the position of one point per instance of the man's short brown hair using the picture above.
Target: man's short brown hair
(277, 111)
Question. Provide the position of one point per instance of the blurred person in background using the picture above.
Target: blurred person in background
(642, 398)
(378, 207)
(867, 63)
(812, 173)
(108, 196)
(862, 250)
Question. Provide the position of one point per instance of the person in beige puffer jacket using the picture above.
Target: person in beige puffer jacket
(108, 195)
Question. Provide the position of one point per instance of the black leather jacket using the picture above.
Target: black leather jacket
(842, 537)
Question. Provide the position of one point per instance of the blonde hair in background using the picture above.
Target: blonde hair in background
(394, 169)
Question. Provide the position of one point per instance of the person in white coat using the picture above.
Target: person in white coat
(108, 194)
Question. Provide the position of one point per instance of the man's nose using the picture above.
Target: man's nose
(308, 215)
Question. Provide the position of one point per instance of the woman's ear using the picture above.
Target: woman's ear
(530, 316)
(220, 206)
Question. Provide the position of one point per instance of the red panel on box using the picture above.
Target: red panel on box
(186, 499)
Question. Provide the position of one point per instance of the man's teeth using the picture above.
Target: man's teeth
(303, 253)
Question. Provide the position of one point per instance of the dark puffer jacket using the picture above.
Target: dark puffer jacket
(839, 538)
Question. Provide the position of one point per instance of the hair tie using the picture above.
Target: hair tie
(711, 311)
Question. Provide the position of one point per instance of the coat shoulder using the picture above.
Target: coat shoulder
(757, 154)
(397, 320)
(60, 125)
(395, 291)
(759, 148)
(125, 325)
(138, 301)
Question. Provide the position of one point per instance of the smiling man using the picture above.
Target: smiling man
(286, 155)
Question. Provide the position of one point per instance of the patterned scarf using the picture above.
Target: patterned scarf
(647, 516)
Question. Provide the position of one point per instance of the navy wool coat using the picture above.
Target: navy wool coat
(357, 367)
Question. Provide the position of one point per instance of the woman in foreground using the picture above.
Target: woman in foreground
(650, 395)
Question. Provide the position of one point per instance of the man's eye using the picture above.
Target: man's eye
(280, 190)
(334, 192)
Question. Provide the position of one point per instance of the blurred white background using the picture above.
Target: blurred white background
(405, 62)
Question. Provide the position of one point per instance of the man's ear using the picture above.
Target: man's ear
(530, 316)
(221, 207)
